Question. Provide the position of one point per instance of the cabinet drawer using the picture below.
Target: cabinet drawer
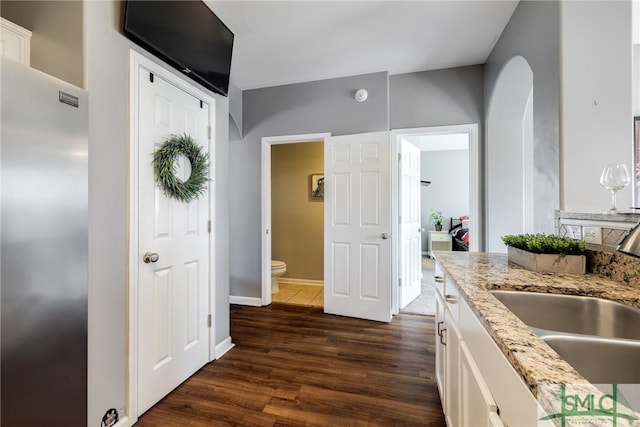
(440, 237)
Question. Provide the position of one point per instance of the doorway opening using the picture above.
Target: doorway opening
(171, 259)
(293, 219)
(449, 183)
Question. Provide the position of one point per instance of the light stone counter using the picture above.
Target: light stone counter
(530, 356)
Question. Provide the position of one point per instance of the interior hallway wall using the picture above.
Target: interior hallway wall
(107, 76)
(303, 108)
(297, 221)
(452, 96)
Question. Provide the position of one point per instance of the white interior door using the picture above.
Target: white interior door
(172, 292)
(357, 247)
(410, 260)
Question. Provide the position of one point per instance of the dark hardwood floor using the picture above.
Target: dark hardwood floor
(296, 366)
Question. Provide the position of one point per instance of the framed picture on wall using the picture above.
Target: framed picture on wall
(317, 186)
(636, 161)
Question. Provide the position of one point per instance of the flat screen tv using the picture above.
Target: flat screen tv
(185, 34)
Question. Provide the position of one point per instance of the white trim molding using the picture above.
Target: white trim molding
(267, 142)
(223, 348)
(123, 422)
(253, 302)
(476, 219)
(137, 61)
(305, 282)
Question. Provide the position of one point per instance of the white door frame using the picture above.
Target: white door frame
(267, 142)
(138, 61)
(475, 213)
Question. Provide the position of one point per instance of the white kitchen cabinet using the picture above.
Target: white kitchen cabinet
(517, 406)
(476, 403)
(452, 391)
(440, 347)
(466, 399)
(15, 42)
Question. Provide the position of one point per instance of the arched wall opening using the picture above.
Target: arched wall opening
(510, 155)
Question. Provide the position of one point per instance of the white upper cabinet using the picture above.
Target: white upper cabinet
(15, 42)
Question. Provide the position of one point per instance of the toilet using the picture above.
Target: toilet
(278, 268)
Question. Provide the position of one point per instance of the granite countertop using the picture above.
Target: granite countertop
(531, 357)
(631, 217)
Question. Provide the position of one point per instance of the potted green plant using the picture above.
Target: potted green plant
(436, 219)
(546, 253)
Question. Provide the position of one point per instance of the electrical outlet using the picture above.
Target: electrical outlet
(574, 231)
(592, 235)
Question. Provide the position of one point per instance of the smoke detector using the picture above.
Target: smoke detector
(361, 95)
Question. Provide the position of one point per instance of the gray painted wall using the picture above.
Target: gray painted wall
(451, 96)
(107, 70)
(448, 171)
(56, 42)
(596, 101)
(533, 33)
(235, 108)
(321, 106)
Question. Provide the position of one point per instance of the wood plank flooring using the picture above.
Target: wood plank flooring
(296, 366)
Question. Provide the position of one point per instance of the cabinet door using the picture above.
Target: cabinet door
(15, 42)
(452, 371)
(477, 406)
(440, 347)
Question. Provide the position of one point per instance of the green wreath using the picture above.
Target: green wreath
(164, 168)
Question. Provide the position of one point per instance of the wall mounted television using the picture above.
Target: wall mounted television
(185, 34)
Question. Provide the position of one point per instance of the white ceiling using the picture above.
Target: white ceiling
(282, 42)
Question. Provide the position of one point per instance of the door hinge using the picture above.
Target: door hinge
(201, 104)
(209, 131)
(399, 157)
(209, 226)
(151, 77)
(400, 282)
(208, 320)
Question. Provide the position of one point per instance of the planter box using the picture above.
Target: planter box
(547, 263)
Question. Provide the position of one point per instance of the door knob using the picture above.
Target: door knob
(150, 257)
(385, 236)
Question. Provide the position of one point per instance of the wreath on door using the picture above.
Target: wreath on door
(165, 168)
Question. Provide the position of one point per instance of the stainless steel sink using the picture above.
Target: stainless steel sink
(600, 361)
(573, 314)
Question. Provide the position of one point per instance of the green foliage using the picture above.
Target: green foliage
(436, 217)
(545, 244)
(164, 168)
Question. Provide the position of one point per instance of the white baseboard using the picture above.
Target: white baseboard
(290, 280)
(222, 348)
(254, 302)
(123, 422)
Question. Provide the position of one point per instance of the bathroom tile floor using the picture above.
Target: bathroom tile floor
(310, 295)
(292, 293)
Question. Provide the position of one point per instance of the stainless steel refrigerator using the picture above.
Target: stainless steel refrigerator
(44, 249)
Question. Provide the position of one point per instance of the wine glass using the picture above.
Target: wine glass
(614, 178)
